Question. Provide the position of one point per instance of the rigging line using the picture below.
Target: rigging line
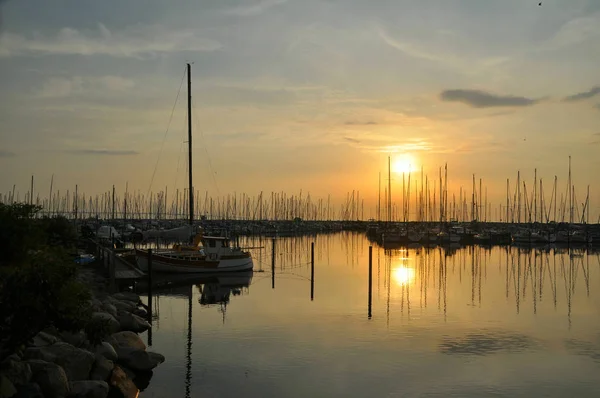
(212, 170)
(166, 132)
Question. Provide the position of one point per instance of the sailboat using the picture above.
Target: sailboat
(216, 254)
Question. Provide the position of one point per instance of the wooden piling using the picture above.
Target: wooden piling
(150, 297)
(273, 264)
(312, 271)
(370, 280)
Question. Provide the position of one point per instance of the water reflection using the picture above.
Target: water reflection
(421, 311)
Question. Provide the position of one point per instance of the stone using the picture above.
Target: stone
(126, 339)
(124, 305)
(142, 379)
(123, 383)
(102, 369)
(142, 313)
(106, 350)
(7, 388)
(29, 390)
(96, 304)
(127, 296)
(51, 378)
(18, 372)
(110, 308)
(77, 363)
(140, 360)
(77, 339)
(113, 324)
(43, 339)
(132, 323)
(89, 389)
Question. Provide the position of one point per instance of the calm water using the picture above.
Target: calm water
(467, 322)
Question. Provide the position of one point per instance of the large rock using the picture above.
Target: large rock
(110, 308)
(76, 362)
(43, 339)
(102, 369)
(126, 340)
(113, 324)
(51, 378)
(123, 383)
(29, 390)
(140, 360)
(106, 350)
(89, 389)
(127, 296)
(142, 313)
(77, 339)
(126, 306)
(18, 372)
(132, 323)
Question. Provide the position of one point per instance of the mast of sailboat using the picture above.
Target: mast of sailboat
(189, 104)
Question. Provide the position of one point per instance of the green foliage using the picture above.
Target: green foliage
(40, 293)
(38, 284)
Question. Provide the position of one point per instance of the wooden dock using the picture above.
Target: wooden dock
(118, 269)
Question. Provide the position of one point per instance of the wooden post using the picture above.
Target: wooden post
(150, 297)
(370, 280)
(312, 271)
(273, 264)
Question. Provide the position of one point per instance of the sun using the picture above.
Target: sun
(404, 164)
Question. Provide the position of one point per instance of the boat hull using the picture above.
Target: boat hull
(167, 264)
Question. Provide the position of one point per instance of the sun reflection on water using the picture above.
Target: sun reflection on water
(403, 275)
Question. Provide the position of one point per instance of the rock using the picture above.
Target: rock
(77, 363)
(106, 350)
(43, 339)
(7, 388)
(102, 369)
(110, 308)
(132, 323)
(96, 304)
(89, 389)
(51, 378)
(113, 324)
(127, 306)
(77, 339)
(140, 360)
(123, 383)
(142, 379)
(18, 372)
(142, 313)
(127, 296)
(29, 390)
(126, 340)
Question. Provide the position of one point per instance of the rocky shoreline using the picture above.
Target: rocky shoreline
(62, 364)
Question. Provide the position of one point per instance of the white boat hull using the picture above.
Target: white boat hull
(164, 264)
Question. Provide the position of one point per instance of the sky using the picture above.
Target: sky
(293, 95)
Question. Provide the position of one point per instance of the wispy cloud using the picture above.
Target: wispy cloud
(256, 8)
(583, 95)
(60, 87)
(360, 123)
(137, 41)
(6, 154)
(102, 152)
(353, 140)
(575, 31)
(482, 99)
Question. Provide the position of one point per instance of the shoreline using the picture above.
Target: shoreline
(67, 364)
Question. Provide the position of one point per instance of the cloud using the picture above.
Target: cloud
(359, 123)
(6, 154)
(60, 87)
(574, 32)
(482, 99)
(353, 140)
(254, 9)
(102, 152)
(137, 41)
(597, 106)
(583, 95)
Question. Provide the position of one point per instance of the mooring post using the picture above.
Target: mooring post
(150, 297)
(370, 279)
(312, 271)
(273, 264)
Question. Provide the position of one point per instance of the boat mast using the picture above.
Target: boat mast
(190, 189)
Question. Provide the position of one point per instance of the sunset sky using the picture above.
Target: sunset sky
(299, 94)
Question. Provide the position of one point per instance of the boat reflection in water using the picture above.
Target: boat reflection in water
(214, 289)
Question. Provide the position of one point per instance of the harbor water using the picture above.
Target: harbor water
(443, 322)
